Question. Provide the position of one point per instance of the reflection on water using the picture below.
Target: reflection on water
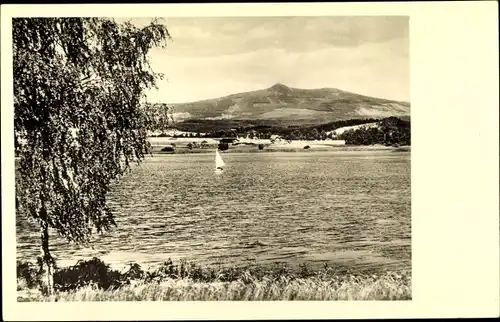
(349, 208)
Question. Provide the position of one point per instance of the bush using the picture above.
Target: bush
(84, 273)
(94, 280)
(168, 149)
(223, 146)
(261, 146)
(307, 147)
(30, 274)
(135, 272)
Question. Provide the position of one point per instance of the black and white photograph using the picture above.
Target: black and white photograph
(166, 156)
(176, 159)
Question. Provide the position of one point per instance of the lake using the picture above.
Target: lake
(348, 208)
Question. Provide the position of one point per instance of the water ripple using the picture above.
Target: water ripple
(344, 207)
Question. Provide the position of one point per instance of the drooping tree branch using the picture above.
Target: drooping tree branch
(78, 85)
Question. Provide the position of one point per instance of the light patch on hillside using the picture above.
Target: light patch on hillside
(374, 112)
(222, 117)
(233, 108)
(181, 116)
(232, 111)
(386, 110)
(288, 112)
(341, 130)
(404, 109)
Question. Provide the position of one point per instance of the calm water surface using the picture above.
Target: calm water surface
(347, 208)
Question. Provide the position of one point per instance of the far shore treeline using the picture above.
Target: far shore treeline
(389, 131)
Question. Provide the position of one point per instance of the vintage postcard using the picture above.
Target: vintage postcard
(229, 155)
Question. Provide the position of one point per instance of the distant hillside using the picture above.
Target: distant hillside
(283, 105)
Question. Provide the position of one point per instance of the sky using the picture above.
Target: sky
(210, 57)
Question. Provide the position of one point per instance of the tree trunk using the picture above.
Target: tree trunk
(47, 259)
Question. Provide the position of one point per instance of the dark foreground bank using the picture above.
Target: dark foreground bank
(93, 280)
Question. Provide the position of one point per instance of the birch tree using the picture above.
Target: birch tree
(79, 86)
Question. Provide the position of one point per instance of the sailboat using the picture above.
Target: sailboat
(219, 163)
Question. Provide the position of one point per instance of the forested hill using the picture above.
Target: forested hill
(280, 105)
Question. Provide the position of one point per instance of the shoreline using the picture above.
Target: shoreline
(156, 150)
(94, 280)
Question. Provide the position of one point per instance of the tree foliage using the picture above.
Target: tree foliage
(160, 117)
(390, 131)
(79, 86)
(264, 129)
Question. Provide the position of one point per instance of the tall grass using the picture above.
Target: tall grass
(95, 281)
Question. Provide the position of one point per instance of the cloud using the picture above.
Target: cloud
(369, 69)
(213, 57)
(202, 36)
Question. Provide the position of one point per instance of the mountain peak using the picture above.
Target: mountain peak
(279, 87)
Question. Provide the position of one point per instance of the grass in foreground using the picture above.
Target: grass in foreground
(95, 281)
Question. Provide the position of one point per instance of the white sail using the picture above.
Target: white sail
(219, 163)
